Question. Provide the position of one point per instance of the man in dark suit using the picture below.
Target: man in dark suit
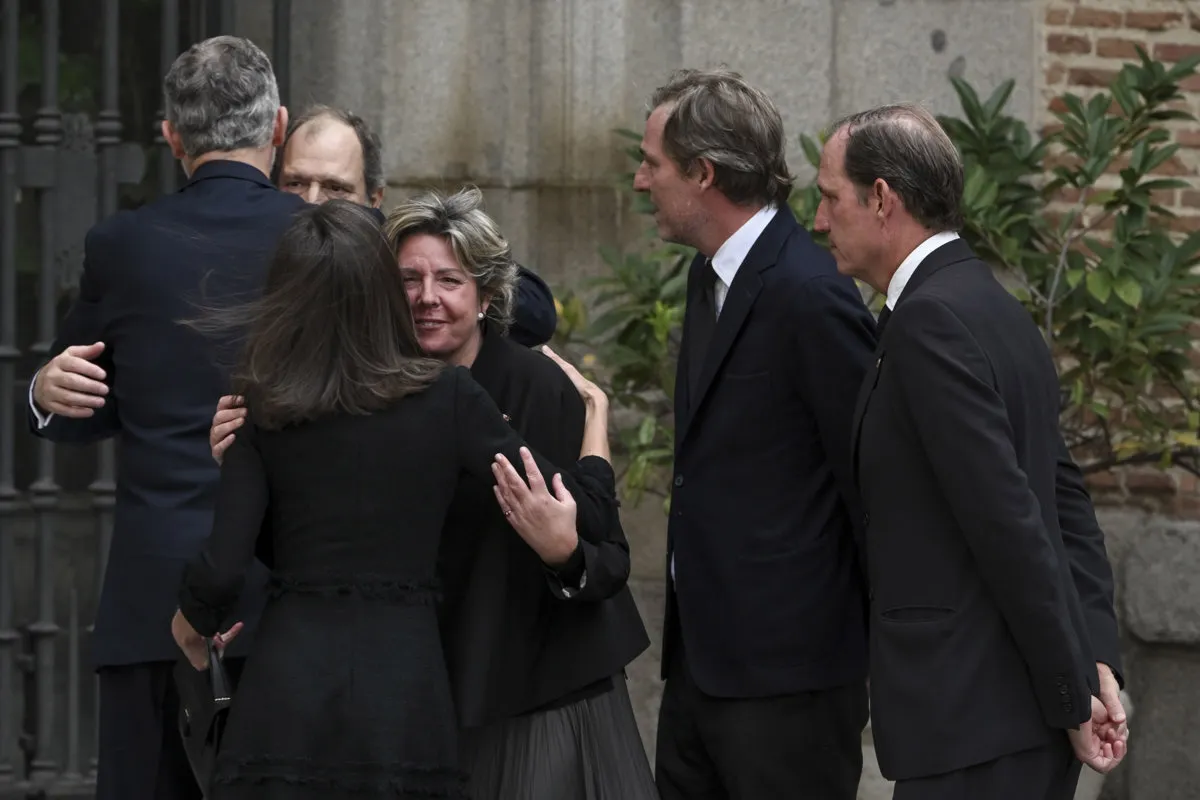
(331, 153)
(982, 656)
(124, 365)
(764, 650)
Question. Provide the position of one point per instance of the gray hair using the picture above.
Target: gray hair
(221, 95)
(904, 145)
(372, 148)
(481, 250)
(715, 115)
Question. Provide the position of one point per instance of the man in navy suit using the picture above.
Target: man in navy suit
(332, 153)
(764, 651)
(124, 365)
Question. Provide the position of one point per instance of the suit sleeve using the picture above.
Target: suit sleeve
(482, 432)
(213, 580)
(835, 338)
(534, 316)
(85, 324)
(947, 385)
(599, 568)
(1090, 567)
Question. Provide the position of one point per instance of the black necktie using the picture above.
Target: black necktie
(881, 323)
(703, 322)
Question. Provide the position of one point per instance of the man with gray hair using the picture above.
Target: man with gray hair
(764, 647)
(123, 365)
(993, 639)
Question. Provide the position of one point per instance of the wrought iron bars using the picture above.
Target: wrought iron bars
(44, 490)
(10, 140)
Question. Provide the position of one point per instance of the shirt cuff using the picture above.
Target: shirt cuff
(43, 419)
(569, 579)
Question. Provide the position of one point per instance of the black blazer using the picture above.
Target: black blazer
(769, 597)
(979, 643)
(514, 640)
(206, 245)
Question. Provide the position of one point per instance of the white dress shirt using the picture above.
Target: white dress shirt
(909, 265)
(729, 256)
(728, 260)
(42, 419)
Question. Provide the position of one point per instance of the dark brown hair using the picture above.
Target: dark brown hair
(904, 145)
(332, 332)
(715, 115)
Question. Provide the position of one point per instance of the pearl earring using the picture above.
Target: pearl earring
(480, 315)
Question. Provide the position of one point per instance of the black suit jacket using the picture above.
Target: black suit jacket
(205, 246)
(769, 596)
(980, 646)
(514, 640)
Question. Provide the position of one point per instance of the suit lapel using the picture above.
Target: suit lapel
(738, 302)
(952, 252)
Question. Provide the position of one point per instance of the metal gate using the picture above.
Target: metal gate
(68, 157)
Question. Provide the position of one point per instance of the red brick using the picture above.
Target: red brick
(1118, 48)
(1190, 84)
(1056, 16)
(1152, 20)
(1103, 481)
(1165, 197)
(1188, 137)
(1066, 43)
(1095, 18)
(1194, 20)
(1055, 73)
(1169, 51)
(1186, 506)
(1189, 199)
(1146, 480)
(1091, 77)
(1186, 224)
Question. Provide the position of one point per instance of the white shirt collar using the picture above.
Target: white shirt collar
(729, 256)
(909, 265)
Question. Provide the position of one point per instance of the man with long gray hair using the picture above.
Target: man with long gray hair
(122, 364)
(764, 648)
(994, 655)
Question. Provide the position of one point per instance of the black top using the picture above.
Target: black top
(768, 593)
(514, 639)
(347, 680)
(979, 644)
(207, 245)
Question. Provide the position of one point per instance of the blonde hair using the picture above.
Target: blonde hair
(480, 248)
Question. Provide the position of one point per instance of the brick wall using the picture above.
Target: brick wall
(1085, 42)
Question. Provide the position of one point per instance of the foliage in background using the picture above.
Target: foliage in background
(1071, 220)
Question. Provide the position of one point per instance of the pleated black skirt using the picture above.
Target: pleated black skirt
(586, 750)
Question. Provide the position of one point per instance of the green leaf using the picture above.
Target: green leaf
(811, 151)
(1129, 290)
(1099, 285)
(646, 431)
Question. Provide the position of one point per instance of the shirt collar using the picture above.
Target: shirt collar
(909, 265)
(729, 256)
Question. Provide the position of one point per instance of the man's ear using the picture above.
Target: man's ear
(279, 134)
(376, 198)
(173, 140)
(706, 172)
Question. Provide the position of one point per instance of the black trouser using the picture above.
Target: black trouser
(803, 745)
(1044, 773)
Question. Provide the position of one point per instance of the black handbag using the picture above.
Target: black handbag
(204, 699)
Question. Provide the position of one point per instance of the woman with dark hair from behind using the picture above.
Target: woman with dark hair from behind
(352, 454)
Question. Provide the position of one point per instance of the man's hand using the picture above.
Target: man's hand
(1090, 745)
(231, 414)
(1114, 728)
(71, 385)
